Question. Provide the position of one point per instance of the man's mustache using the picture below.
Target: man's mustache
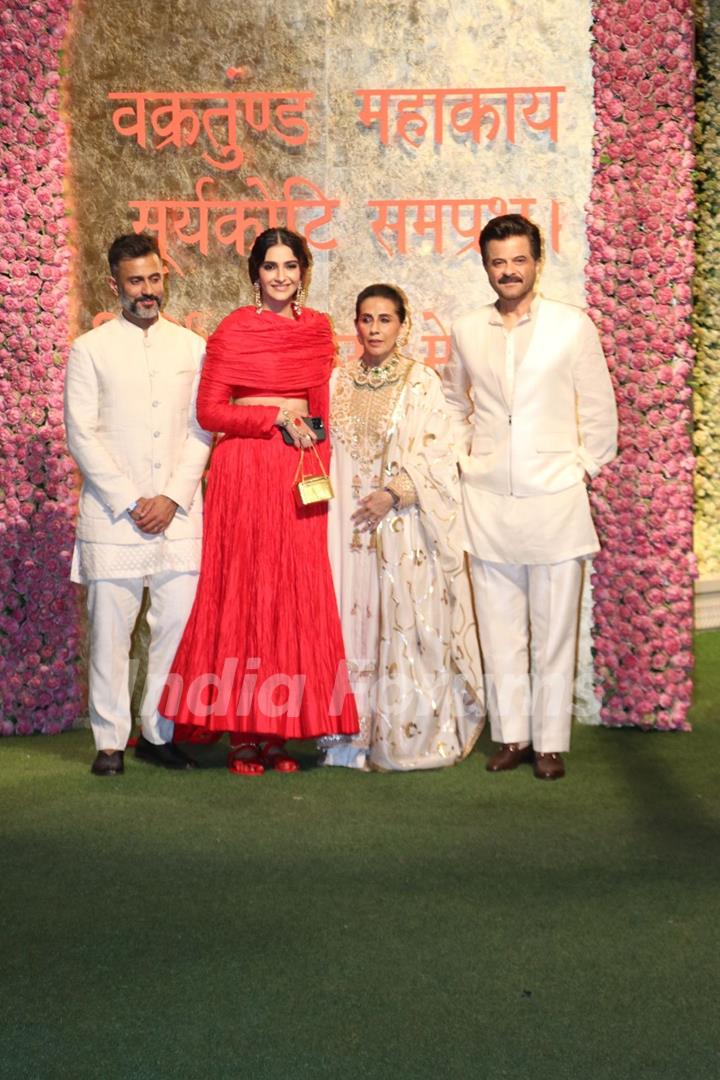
(510, 280)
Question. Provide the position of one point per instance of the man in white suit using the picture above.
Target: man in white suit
(131, 427)
(536, 416)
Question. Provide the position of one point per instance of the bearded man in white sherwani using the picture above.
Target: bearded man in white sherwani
(131, 427)
(536, 415)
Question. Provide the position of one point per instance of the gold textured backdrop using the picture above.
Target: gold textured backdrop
(332, 48)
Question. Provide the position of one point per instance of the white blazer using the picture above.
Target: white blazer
(559, 420)
(131, 426)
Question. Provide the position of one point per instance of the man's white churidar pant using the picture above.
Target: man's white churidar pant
(113, 607)
(514, 605)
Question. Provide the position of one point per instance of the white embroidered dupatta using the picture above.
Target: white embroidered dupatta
(430, 701)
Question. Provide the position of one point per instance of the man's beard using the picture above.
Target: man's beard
(131, 304)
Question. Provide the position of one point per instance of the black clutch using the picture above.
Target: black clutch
(313, 422)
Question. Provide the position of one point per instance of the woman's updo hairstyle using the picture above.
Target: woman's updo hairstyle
(268, 239)
(386, 292)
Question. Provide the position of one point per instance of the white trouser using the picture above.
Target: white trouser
(113, 607)
(516, 605)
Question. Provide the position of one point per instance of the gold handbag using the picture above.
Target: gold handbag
(311, 489)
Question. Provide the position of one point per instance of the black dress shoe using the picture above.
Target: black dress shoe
(108, 764)
(166, 754)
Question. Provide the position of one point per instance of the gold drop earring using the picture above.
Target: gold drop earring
(258, 297)
(404, 336)
(297, 303)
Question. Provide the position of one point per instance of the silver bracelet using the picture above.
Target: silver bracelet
(285, 419)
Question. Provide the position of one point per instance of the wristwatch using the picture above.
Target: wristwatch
(394, 496)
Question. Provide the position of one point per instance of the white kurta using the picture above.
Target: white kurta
(534, 409)
(403, 593)
(131, 427)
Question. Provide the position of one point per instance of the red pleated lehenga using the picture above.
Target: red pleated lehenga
(262, 652)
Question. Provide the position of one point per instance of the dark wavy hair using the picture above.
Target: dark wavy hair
(507, 225)
(386, 292)
(131, 246)
(267, 239)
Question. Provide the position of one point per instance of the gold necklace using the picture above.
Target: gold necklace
(363, 374)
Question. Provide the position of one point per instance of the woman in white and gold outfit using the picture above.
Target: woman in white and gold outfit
(397, 556)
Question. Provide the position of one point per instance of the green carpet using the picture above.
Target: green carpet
(342, 925)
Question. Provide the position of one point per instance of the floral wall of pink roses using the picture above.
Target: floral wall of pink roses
(638, 286)
(640, 231)
(706, 305)
(40, 619)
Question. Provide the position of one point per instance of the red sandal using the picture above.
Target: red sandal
(273, 756)
(246, 760)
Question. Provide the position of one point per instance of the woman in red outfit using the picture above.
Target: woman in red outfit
(262, 654)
